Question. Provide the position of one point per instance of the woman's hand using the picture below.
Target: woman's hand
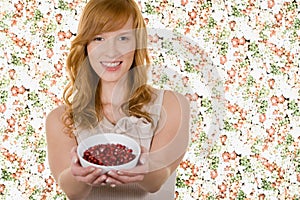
(133, 175)
(89, 175)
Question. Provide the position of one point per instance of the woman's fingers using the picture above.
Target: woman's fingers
(100, 180)
(143, 158)
(93, 176)
(113, 181)
(89, 175)
(77, 170)
(74, 151)
(116, 178)
(138, 170)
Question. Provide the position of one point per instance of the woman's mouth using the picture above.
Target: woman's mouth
(112, 66)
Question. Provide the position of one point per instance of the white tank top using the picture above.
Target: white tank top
(142, 132)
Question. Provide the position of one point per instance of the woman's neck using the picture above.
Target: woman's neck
(113, 93)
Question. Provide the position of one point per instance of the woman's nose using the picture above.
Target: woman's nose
(111, 48)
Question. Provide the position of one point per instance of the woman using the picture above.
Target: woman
(107, 92)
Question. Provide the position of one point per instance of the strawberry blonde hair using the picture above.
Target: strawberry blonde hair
(82, 94)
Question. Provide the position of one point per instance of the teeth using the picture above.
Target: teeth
(111, 64)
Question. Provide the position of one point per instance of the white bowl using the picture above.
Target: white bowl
(109, 138)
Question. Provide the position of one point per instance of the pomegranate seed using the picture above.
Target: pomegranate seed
(109, 154)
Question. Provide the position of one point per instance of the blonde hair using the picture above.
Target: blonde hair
(83, 92)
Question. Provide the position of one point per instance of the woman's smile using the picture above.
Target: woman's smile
(111, 66)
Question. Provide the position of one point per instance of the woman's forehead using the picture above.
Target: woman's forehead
(127, 28)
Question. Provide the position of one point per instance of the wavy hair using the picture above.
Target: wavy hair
(82, 94)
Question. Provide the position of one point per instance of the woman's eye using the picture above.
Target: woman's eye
(98, 39)
(123, 38)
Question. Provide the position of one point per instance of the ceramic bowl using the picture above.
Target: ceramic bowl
(109, 138)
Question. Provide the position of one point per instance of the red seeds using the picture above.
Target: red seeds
(108, 154)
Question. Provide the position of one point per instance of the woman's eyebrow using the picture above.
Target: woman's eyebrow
(126, 32)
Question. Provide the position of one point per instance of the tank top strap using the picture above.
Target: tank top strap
(159, 100)
(160, 96)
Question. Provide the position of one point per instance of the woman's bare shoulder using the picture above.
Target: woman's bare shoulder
(175, 99)
(54, 117)
(56, 128)
(171, 97)
(58, 111)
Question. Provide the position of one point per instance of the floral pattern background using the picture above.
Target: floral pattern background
(245, 94)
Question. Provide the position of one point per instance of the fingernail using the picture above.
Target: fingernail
(112, 185)
(142, 161)
(119, 172)
(75, 160)
(110, 173)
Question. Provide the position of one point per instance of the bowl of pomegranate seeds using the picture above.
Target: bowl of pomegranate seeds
(109, 151)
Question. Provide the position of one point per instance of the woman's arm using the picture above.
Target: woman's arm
(71, 177)
(168, 147)
(169, 142)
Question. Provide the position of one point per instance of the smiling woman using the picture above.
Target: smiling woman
(111, 54)
(106, 19)
(253, 45)
(108, 93)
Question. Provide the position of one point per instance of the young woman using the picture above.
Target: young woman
(108, 92)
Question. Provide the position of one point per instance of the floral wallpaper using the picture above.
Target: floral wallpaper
(237, 61)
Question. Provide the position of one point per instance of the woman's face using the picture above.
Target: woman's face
(111, 53)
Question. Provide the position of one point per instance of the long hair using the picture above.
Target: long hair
(82, 94)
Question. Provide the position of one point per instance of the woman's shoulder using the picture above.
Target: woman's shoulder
(56, 113)
(165, 92)
(55, 123)
(170, 97)
(175, 99)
